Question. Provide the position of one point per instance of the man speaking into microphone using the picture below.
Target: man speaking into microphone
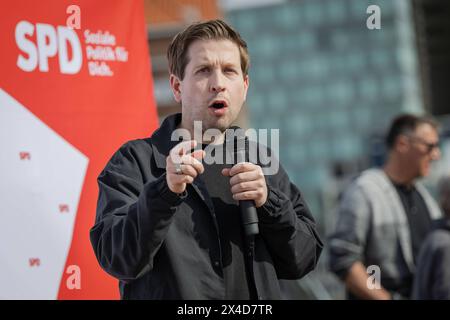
(172, 225)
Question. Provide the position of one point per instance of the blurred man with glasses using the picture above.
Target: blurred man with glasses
(385, 215)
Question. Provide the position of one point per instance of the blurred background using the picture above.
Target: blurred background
(330, 84)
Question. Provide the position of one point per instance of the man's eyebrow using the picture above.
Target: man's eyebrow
(201, 64)
(206, 63)
(231, 65)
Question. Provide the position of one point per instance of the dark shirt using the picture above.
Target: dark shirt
(419, 222)
(236, 273)
(418, 216)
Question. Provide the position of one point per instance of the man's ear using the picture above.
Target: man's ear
(175, 84)
(402, 144)
(246, 84)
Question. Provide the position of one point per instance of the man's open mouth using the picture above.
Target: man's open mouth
(218, 105)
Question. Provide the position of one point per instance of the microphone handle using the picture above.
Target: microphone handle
(249, 217)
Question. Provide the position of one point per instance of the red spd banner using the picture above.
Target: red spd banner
(75, 84)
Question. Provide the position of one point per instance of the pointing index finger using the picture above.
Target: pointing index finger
(183, 147)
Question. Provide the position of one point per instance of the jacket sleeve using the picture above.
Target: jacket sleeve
(440, 286)
(288, 228)
(347, 243)
(132, 216)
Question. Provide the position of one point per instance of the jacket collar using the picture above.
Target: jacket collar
(380, 178)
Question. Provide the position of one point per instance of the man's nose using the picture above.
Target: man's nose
(217, 82)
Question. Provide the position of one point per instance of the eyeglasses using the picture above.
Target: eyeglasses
(430, 146)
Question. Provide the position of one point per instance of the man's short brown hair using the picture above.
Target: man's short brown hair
(406, 124)
(209, 30)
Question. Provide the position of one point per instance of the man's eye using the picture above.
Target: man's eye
(205, 69)
(230, 70)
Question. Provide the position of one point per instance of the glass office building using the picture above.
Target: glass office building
(329, 83)
(332, 86)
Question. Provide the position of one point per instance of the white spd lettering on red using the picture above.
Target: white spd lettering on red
(50, 41)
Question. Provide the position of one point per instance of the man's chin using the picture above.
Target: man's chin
(220, 124)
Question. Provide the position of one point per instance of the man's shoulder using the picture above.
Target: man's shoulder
(368, 183)
(438, 242)
(374, 179)
(130, 158)
(440, 236)
(136, 144)
(371, 174)
(136, 148)
(367, 178)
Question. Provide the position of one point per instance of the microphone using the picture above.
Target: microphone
(237, 142)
